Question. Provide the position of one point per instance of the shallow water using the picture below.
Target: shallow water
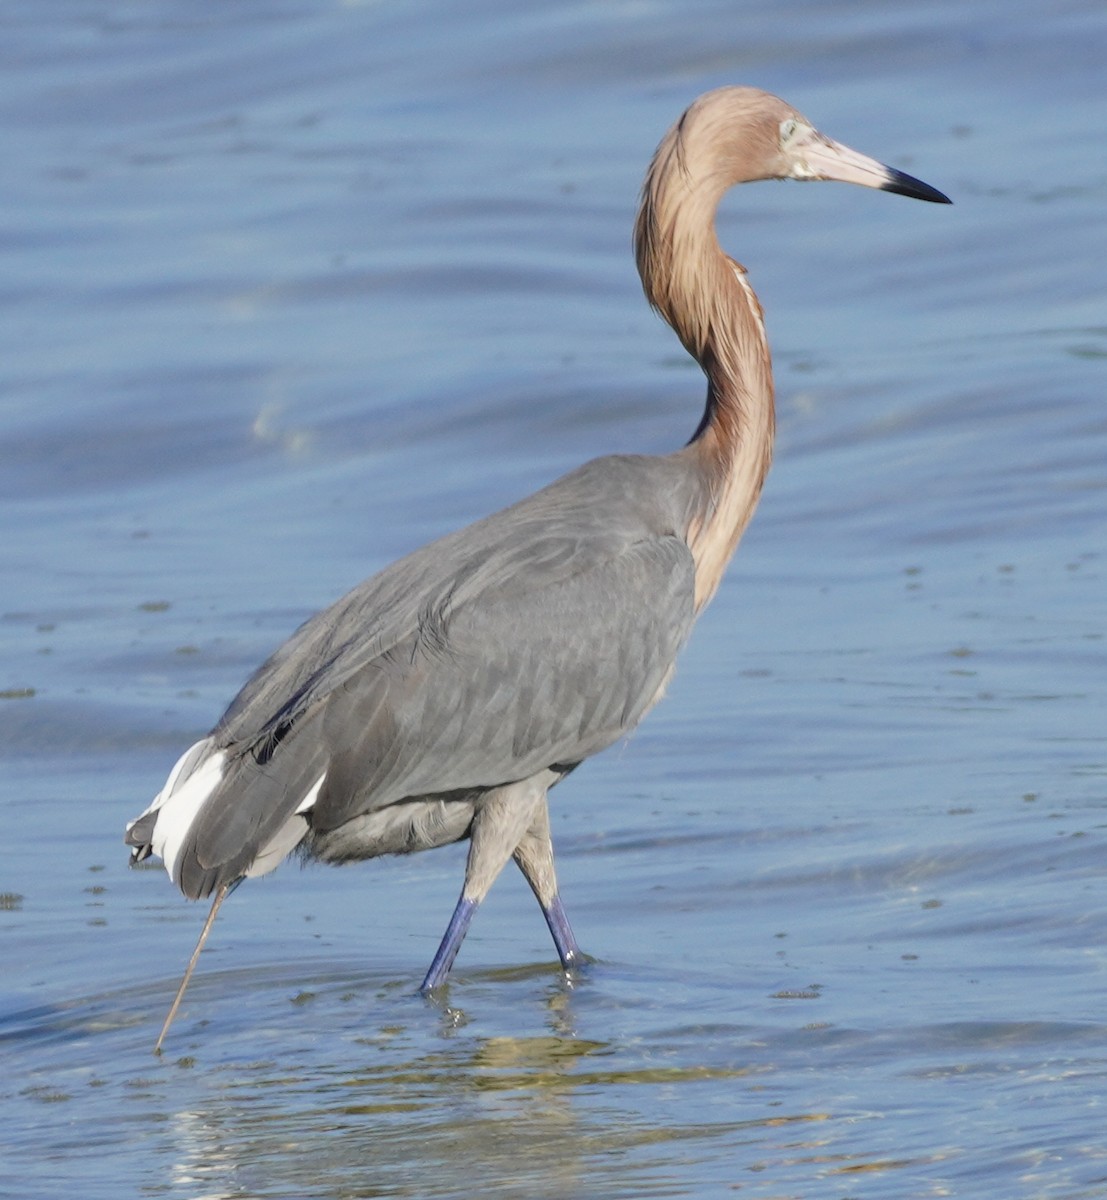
(289, 289)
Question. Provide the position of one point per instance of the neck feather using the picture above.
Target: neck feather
(706, 299)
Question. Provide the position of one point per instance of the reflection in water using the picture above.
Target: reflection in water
(534, 1115)
(326, 1087)
(499, 1108)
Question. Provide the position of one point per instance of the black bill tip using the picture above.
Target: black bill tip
(907, 185)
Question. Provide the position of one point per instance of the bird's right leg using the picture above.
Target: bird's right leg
(502, 819)
(534, 857)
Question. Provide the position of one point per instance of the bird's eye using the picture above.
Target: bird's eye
(788, 128)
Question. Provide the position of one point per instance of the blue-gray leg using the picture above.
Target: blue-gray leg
(450, 944)
(567, 949)
(511, 821)
(500, 822)
(534, 857)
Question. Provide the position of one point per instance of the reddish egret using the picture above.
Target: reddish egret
(444, 697)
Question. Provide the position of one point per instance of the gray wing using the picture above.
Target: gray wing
(509, 683)
(535, 637)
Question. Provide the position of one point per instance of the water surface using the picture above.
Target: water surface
(289, 289)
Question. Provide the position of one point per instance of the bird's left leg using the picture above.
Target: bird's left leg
(534, 857)
(502, 819)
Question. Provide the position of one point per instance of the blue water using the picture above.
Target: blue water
(288, 289)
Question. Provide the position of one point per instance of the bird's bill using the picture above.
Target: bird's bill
(821, 158)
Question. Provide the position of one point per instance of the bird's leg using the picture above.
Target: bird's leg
(220, 896)
(534, 856)
(502, 819)
(450, 944)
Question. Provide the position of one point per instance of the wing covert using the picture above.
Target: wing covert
(509, 680)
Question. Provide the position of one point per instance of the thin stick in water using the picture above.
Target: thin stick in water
(220, 896)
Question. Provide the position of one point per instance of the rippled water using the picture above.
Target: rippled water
(288, 289)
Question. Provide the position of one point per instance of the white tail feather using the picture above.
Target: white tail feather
(190, 783)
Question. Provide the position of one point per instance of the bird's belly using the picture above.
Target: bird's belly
(403, 828)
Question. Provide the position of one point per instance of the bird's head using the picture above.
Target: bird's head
(740, 134)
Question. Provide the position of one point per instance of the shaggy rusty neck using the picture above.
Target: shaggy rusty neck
(705, 297)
